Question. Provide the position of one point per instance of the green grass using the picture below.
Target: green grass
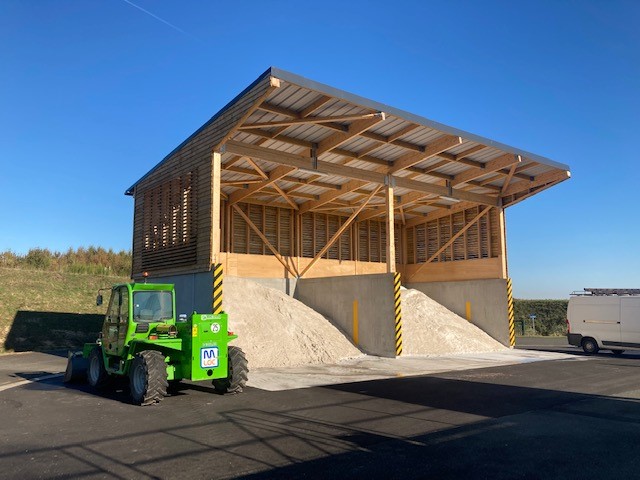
(41, 310)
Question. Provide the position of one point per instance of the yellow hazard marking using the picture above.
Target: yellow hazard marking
(194, 331)
(468, 310)
(510, 314)
(397, 313)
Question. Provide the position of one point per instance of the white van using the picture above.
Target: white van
(604, 318)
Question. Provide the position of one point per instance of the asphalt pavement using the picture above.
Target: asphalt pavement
(567, 419)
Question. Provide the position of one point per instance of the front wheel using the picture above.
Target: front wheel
(97, 375)
(589, 345)
(148, 377)
(238, 371)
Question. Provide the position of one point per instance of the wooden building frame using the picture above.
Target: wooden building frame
(294, 179)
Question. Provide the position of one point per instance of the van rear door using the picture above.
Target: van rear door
(630, 321)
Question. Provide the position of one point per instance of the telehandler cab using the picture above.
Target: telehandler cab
(142, 339)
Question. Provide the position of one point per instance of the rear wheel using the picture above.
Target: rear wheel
(238, 371)
(589, 345)
(148, 377)
(97, 375)
(617, 352)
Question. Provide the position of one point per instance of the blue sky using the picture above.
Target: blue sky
(95, 93)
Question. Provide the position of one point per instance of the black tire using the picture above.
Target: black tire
(617, 352)
(97, 375)
(148, 377)
(76, 368)
(238, 372)
(589, 345)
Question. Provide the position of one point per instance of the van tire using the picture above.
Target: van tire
(617, 352)
(589, 345)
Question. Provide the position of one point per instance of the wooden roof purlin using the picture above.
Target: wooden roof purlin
(316, 148)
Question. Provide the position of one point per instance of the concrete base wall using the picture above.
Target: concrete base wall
(334, 298)
(488, 299)
(194, 291)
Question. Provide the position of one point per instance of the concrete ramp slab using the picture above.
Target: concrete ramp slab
(368, 367)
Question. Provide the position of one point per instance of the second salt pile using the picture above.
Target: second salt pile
(276, 330)
(428, 328)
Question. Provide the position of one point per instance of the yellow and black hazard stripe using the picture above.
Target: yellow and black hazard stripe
(397, 307)
(512, 327)
(217, 288)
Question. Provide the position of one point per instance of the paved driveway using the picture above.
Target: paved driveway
(569, 418)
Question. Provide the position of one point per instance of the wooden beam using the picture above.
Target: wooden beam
(506, 160)
(368, 176)
(507, 180)
(331, 195)
(542, 179)
(407, 199)
(340, 231)
(434, 148)
(390, 226)
(216, 159)
(298, 121)
(452, 239)
(298, 161)
(290, 269)
(274, 175)
(355, 128)
(274, 83)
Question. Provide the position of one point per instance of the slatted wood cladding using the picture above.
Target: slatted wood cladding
(363, 241)
(194, 155)
(170, 232)
(481, 240)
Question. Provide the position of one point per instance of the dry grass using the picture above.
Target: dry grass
(41, 310)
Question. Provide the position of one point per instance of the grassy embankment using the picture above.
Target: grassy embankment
(42, 310)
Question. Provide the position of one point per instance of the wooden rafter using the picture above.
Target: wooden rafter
(274, 83)
(542, 179)
(331, 195)
(505, 160)
(355, 128)
(290, 268)
(340, 231)
(405, 200)
(273, 176)
(434, 148)
(298, 121)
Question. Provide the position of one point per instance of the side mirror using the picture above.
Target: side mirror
(99, 300)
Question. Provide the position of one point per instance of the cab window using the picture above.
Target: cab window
(152, 306)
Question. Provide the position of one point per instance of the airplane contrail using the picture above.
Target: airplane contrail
(159, 19)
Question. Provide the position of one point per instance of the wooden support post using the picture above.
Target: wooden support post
(503, 243)
(391, 244)
(215, 207)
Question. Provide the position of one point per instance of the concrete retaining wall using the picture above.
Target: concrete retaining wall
(194, 291)
(334, 297)
(488, 302)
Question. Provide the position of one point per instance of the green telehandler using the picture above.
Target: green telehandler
(143, 340)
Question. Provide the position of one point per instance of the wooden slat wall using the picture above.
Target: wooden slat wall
(170, 232)
(193, 155)
(481, 240)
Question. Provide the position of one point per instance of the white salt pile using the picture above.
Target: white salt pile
(276, 330)
(428, 328)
